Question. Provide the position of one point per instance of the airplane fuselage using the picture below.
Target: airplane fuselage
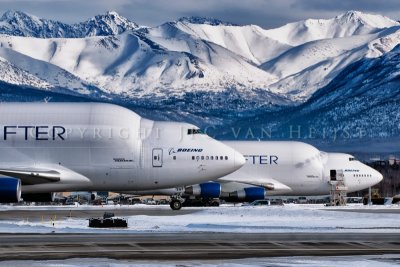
(105, 147)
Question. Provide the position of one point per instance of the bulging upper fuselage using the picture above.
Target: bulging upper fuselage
(106, 147)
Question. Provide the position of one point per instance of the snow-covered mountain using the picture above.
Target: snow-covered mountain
(249, 41)
(358, 111)
(304, 69)
(348, 24)
(323, 48)
(18, 23)
(198, 54)
(135, 66)
(205, 68)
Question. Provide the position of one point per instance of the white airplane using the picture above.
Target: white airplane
(279, 168)
(58, 147)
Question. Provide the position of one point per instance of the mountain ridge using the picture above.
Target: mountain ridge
(17, 23)
(192, 54)
(222, 74)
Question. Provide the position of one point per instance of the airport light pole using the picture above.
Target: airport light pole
(369, 196)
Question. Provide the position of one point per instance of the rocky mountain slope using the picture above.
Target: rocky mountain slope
(339, 73)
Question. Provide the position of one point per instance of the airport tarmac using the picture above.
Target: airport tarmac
(191, 246)
(364, 210)
(227, 232)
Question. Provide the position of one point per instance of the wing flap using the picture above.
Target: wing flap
(267, 183)
(32, 176)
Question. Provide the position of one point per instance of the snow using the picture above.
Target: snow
(129, 65)
(347, 24)
(212, 73)
(22, 24)
(13, 75)
(300, 69)
(247, 41)
(117, 56)
(227, 218)
(382, 45)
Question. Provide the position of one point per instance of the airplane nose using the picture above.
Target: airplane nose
(239, 160)
(379, 177)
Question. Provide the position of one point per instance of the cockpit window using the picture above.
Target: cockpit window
(352, 159)
(194, 131)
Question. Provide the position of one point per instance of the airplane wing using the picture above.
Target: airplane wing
(267, 183)
(30, 176)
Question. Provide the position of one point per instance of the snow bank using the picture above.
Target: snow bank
(289, 218)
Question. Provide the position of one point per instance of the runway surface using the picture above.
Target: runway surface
(158, 233)
(191, 246)
(382, 211)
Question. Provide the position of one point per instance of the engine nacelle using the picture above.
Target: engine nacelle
(10, 190)
(206, 190)
(38, 197)
(249, 194)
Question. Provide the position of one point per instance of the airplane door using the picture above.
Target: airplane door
(333, 175)
(157, 157)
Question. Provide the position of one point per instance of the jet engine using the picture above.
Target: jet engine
(205, 190)
(249, 194)
(10, 190)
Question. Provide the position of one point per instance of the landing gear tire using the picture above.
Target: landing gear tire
(175, 204)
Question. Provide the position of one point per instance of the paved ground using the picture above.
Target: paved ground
(385, 211)
(174, 246)
(182, 245)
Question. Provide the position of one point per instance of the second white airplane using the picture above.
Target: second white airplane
(279, 168)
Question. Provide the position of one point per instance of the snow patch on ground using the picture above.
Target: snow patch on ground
(289, 218)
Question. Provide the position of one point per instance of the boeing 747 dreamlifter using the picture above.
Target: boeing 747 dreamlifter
(57, 147)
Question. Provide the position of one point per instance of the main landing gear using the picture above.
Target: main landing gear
(176, 202)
